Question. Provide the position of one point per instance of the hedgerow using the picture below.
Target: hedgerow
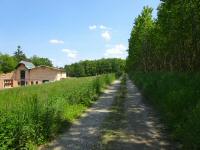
(177, 97)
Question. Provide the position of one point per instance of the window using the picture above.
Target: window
(36, 82)
(8, 83)
(32, 82)
(45, 81)
(22, 74)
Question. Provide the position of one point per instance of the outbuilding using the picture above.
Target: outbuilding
(28, 74)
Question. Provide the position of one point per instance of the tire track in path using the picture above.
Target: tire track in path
(134, 125)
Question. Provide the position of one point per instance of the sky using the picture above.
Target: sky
(67, 31)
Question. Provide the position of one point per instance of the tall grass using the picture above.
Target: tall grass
(177, 97)
(33, 115)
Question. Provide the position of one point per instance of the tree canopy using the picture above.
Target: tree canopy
(169, 43)
(9, 62)
(95, 67)
(19, 54)
(38, 61)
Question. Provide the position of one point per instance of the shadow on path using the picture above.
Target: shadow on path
(84, 133)
(143, 130)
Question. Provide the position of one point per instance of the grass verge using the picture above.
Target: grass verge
(115, 122)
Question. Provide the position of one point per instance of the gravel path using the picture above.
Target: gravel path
(141, 129)
(84, 133)
(144, 130)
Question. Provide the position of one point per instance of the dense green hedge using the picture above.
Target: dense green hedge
(32, 115)
(177, 97)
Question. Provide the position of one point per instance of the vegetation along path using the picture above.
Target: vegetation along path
(119, 120)
(84, 133)
(132, 124)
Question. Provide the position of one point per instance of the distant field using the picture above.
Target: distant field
(32, 115)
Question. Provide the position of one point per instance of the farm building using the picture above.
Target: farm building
(28, 74)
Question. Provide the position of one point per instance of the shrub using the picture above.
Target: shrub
(177, 97)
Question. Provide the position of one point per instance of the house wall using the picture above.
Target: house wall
(37, 75)
(7, 76)
(61, 75)
(17, 73)
(15, 83)
(33, 76)
(1, 84)
(43, 73)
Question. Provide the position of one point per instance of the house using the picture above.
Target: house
(28, 74)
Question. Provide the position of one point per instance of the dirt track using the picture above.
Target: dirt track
(142, 129)
(84, 134)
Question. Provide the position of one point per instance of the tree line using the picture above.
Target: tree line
(9, 62)
(80, 69)
(171, 42)
(96, 67)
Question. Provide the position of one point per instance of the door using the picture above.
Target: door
(22, 77)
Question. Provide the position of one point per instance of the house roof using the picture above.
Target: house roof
(53, 68)
(30, 66)
(27, 64)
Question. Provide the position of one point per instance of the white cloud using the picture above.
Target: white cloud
(93, 27)
(106, 36)
(102, 27)
(118, 51)
(54, 41)
(72, 54)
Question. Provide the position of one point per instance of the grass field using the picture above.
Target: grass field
(177, 97)
(33, 115)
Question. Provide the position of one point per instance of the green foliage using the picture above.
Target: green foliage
(96, 67)
(19, 54)
(169, 43)
(177, 97)
(39, 61)
(33, 115)
(7, 63)
(139, 46)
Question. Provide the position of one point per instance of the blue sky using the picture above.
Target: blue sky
(67, 31)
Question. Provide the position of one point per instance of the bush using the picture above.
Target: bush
(177, 97)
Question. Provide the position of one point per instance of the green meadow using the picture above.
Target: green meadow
(33, 115)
